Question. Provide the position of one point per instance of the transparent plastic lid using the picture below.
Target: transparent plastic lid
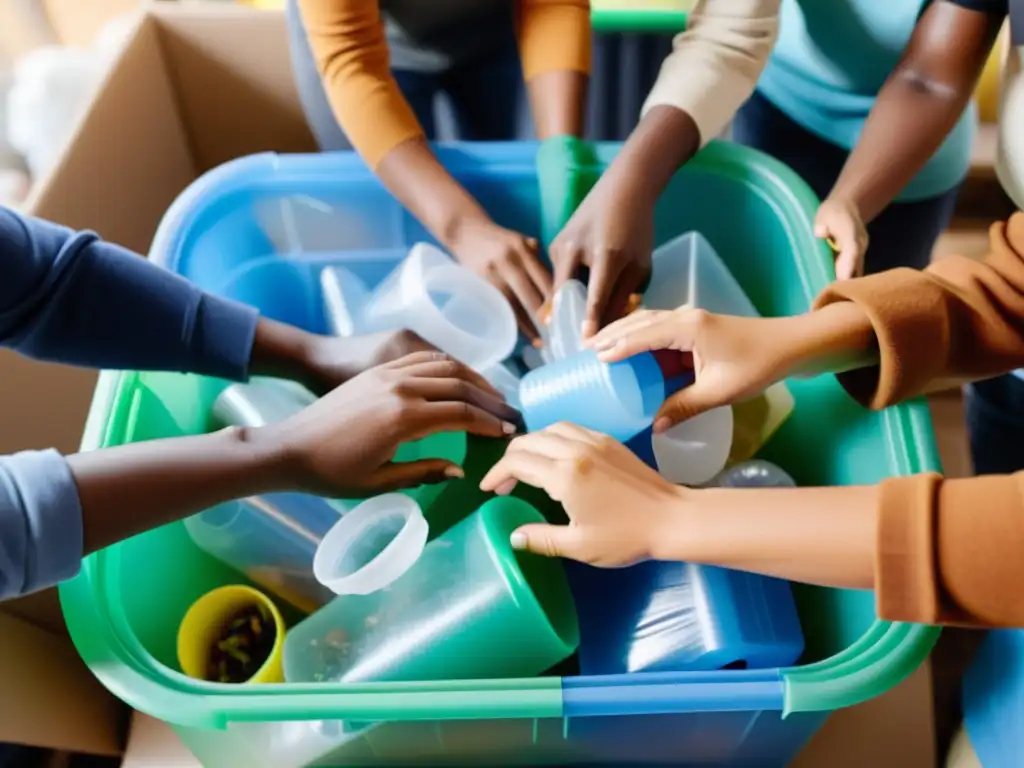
(371, 546)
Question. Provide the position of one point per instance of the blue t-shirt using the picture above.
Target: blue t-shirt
(832, 58)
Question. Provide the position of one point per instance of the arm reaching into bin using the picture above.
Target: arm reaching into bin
(711, 71)
(935, 551)
(55, 510)
(347, 37)
(915, 111)
(70, 297)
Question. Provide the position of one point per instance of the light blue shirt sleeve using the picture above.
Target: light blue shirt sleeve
(40, 522)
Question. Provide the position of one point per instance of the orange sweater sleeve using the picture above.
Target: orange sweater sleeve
(949, 551)
(554, 35)
(347, 39)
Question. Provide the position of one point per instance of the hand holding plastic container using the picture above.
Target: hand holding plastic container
(618, 399)
(447, 305)
(464, 606)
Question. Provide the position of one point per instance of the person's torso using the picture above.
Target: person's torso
(832, 58)
(433, 35)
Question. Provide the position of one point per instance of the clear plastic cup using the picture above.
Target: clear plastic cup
(694, 451)
(464, 606)
(619, 399)
(447, 305)
(344, 297)
(505, 381)
(564, 332)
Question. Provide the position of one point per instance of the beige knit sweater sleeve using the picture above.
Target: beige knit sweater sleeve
(716, 61)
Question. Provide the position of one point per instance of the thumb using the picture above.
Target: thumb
(547, 540)
(821, 224)
(410, 474)
(687, 403)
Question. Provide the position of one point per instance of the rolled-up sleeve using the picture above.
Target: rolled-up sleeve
(40, 522)
(716, 62)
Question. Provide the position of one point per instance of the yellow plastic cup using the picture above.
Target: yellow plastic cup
(205, 620)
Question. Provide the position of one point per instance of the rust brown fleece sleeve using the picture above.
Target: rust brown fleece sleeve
(949, 551)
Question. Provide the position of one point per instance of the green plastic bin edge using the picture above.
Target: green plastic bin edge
(622, 20)
(879, 660)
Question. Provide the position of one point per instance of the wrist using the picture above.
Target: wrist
(283, 351)
(673, 528)
(270, 462)
(663, 141)
(831, 339)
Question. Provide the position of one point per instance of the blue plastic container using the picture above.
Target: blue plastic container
(618, 399)
(287, 215)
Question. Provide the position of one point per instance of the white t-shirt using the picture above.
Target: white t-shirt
(1010, 150)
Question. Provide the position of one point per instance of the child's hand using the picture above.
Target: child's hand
(613, 236)
(733, 358)
(840, 223)
(342, 445)
(616, 504)
(510, 262)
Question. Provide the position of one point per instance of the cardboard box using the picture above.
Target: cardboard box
(193, 88)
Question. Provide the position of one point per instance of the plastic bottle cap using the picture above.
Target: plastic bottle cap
(393, 515)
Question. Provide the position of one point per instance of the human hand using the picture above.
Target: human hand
(342, 445)
(733, 358)
(613, 236)
(510, 262)
(330, 361)
(616, 505)
(839, 221)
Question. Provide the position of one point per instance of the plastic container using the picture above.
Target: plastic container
(447, 305)
(563, 335)
(618, 399)
(206, 619)
(462, 607)
(124, 608)
(694, 451)
(692, 618)
(345, 297)
(273, 538)
(656, 16)
(754, 474)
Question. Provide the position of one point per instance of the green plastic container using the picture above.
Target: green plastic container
(640, 15)
(124, 608)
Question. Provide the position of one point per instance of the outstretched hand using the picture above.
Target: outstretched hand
(615, 503)
(342, 446)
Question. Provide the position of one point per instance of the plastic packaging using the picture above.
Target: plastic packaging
(205, 621)
(564, 332)
(467, 607)
(661, 616)
(506, 382)
(449, 306)
(345, 297)
(694, 451)
(754, 474)
(619, 399)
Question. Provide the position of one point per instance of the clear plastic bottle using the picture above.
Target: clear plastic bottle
(756, 473)
(464, 606)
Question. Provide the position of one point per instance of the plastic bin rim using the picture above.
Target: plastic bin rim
(882, 657)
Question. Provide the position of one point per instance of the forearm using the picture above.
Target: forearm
(821, 536)
(558, 102)
(908, 123)
(414, 175)
(133, 488)
(71, 297)
(919, 104)
(663, 141)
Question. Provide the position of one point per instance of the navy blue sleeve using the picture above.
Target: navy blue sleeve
(70, 297)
